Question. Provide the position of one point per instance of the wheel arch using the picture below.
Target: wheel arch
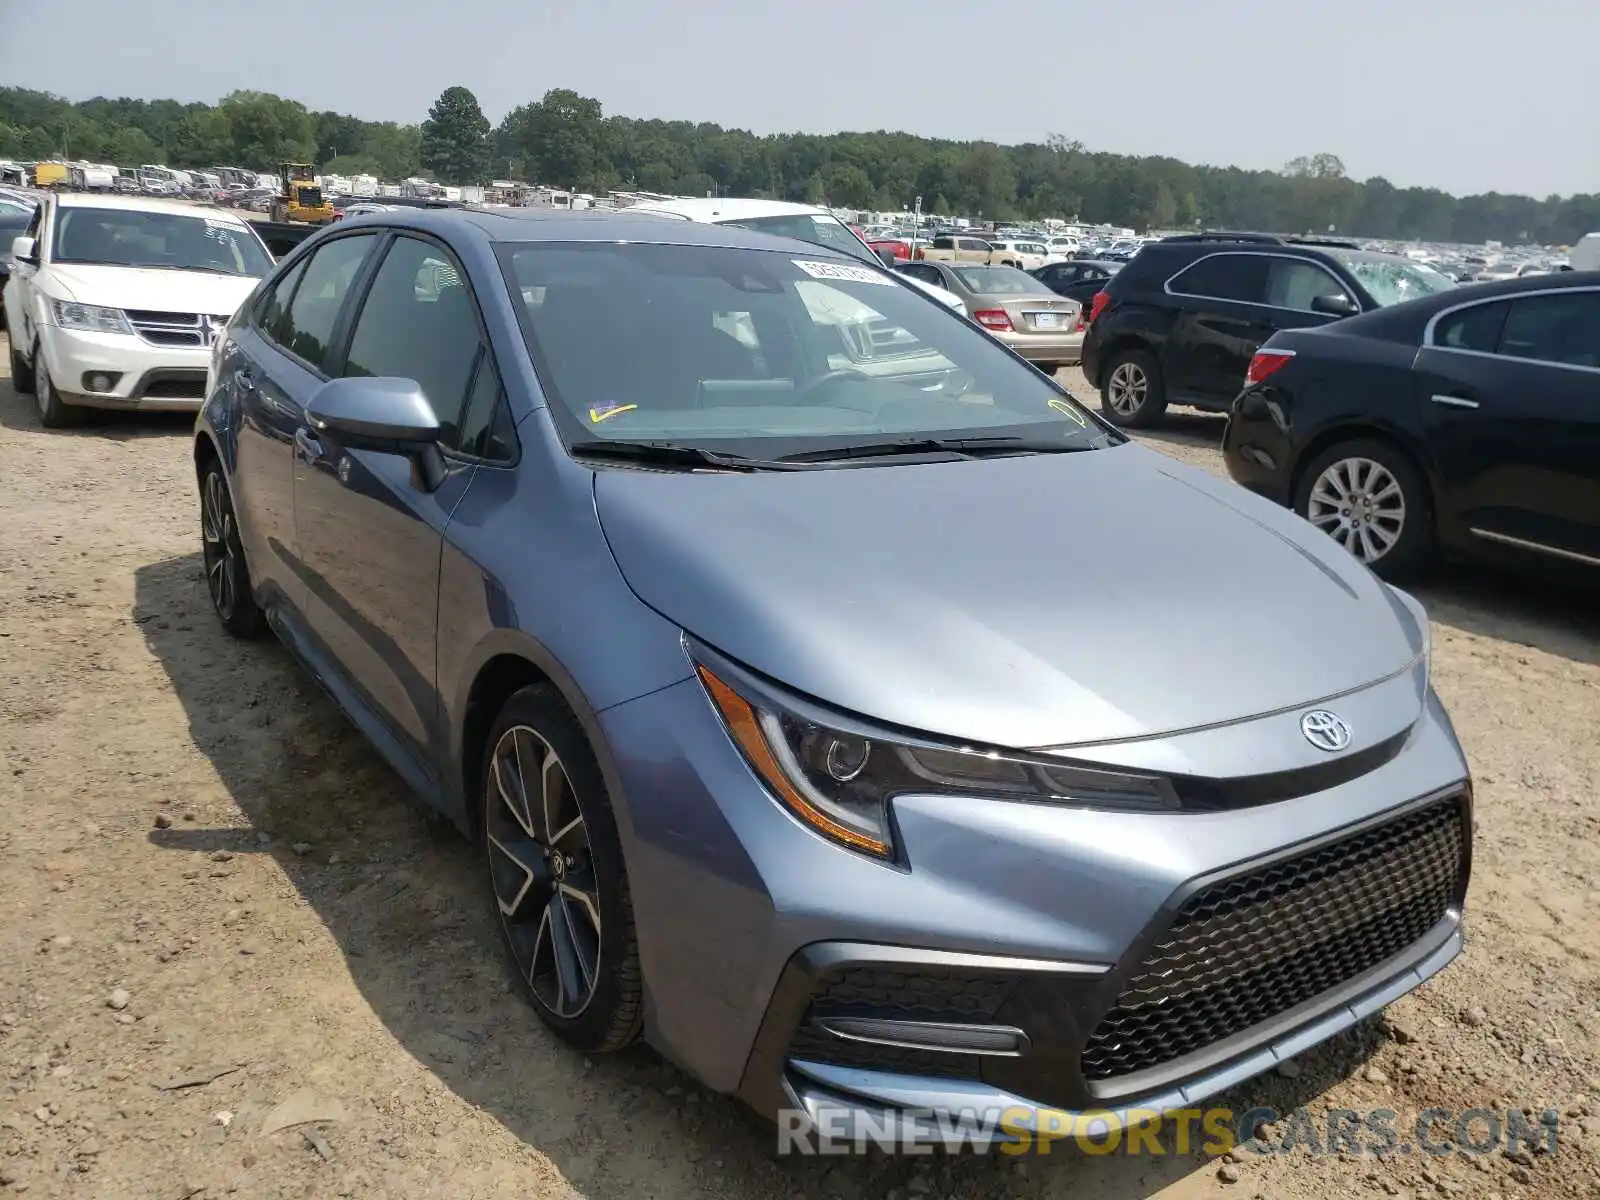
(507, 662)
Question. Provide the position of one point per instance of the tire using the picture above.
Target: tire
(1394, 513)
(1133, 394)
(572, 907)
(21, 373)
(54, 413)
(227, 572)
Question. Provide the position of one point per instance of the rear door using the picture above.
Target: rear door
(1510, 391)
(370, 535)
(271, 365)
(1221, 318)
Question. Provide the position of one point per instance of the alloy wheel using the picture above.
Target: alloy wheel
(542, 871)
(1361, 505)
(1127, 388)
(216, 533)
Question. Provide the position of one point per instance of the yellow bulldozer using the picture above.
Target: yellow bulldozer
(301, 199)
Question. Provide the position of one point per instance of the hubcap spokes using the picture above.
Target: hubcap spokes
(543, 872)
(1359, 503)
(216, 530)
(1126, 389)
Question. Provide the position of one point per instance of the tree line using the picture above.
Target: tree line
(566, 140)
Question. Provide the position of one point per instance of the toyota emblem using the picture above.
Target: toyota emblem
(1325, 730)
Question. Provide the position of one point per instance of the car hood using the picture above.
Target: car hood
(1034, 601)
(158, 291)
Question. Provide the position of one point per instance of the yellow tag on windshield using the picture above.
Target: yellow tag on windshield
(596, 415)
(1061, 406)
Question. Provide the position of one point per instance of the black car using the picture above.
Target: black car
(1466, 424)
(1077, 279)
(1179, 323)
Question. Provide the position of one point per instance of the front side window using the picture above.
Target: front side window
(307, 329)
(1241, 278)
(1558, 327)
(419, 322)
(1476, 328)
(122, 237)
(819, 228)
(1295, 283)
(764, 353)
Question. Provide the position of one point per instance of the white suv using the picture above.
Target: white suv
(114, 302)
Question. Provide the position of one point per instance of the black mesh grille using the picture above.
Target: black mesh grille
(893, 993)
(1247, 949)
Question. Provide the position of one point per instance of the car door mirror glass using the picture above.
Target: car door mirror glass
(23, 250)
(1334, 304)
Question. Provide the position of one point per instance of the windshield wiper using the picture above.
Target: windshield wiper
(675, 454)
(971, 447)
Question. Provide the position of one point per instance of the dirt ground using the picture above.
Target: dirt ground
(205, 872)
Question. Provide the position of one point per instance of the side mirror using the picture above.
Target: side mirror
(1334, 304)
(24, 250)
(388, 416)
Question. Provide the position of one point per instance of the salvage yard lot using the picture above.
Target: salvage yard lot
(204, 869)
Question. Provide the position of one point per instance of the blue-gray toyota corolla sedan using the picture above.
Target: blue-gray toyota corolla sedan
(836, 702)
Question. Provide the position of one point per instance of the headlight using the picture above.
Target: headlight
(840, 780)
(90, 318)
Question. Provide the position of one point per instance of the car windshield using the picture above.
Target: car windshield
(819, 228)
(1000, 281)
(766, 353)
(123, 237)
(1390, 280)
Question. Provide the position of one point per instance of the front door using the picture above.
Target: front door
(370, 534)
(1510, 392)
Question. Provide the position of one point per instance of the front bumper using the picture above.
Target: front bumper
(146, 376)
(1030, 924)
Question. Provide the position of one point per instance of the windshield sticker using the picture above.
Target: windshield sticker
(606, 411)
(1061, 406)
(843, 272)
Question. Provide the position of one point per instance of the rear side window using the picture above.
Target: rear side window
(272, 315)
(1238, 277)
(1560, 327)
(1476, 328)
(308, 330)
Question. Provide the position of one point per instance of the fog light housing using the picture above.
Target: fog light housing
(100, 381)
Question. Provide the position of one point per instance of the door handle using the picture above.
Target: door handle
(1453, 401)
(306, 447)
(245, 380)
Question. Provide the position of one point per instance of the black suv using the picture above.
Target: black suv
(1180, 322)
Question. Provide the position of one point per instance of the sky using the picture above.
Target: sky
(1464, 95)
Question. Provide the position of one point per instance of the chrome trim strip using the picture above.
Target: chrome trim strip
(1453, 401)
(1522, 544)
(1321, 266)
(1003, 1041)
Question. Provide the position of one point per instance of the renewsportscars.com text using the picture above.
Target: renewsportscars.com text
(1208, 1131)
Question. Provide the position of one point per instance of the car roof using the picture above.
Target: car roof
(147, 204)
(586, 225)
(715, 208)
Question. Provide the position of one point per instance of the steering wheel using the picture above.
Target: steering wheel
(827, 378)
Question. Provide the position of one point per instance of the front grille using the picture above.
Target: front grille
(901, 994)
(1247, 949)
(189, 330)
(176, 385)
